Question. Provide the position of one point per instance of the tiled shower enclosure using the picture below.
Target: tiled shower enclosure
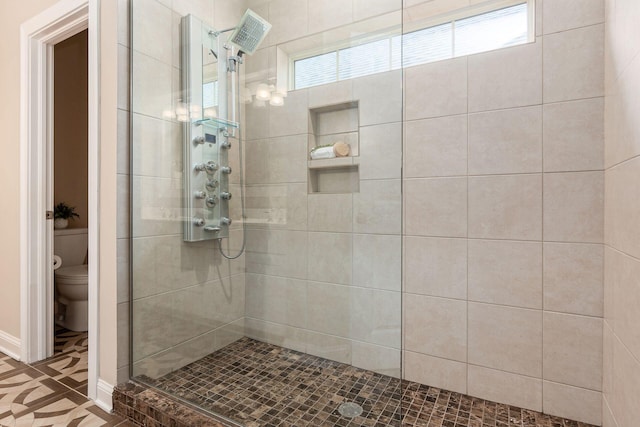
(458, 246)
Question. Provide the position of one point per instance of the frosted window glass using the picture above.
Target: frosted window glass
(316, 70)
(365, 59)
(428, 45)
(493, 30)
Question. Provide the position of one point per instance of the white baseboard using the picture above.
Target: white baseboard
(10, 345)
(104, 395)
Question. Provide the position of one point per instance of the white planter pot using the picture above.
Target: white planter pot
(60, 223)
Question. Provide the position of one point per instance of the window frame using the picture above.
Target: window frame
(450, 17)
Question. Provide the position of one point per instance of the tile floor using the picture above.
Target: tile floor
(258, 384)
(51, 392)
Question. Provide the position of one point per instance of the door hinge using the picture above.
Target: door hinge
(49, 214)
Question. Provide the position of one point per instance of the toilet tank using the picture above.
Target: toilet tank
(71, 245)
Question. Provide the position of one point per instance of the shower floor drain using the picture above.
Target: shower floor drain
(350, 410)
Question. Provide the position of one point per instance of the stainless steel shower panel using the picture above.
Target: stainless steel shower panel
(205, 135)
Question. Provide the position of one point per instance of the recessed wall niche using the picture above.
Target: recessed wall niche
(332, 124)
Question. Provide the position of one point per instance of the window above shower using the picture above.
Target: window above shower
(493, 25)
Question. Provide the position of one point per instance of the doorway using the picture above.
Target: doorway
(38, 36)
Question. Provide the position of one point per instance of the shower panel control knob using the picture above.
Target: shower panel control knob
(211, 167)
(198, 140)
(226, 144)
(225, 221)
(198, 222)
(226, 169)
(225, 196)
(200, 167)
(199, 194)
(212, 229)
(211, 201)
(212, 184)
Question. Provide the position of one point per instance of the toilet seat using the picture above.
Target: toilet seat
(73, 275)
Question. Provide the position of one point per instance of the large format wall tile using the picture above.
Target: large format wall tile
(572, 402)
(506, 141)
(503, 272)
(568, 14)
(506, 207)
(500, 386)
(436, 147)
(574, 64)
(506, 338)
(437, 372)
(495, 85)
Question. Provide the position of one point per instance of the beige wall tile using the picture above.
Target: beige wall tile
(277, 160)
(517, 348)
(574, 64)
(383, 360)
(277, 253)
(277, 206)
(292, 118)
(330, 257)
(436, 372)
(505, 207)
(157, 208)
(151, 86)
(330, 212)
(123, 217)
(608, 419)
(123, 270)
(329, 347)
(277, 299)
(377, 261)
(437, 89)
(289, 20)
(574, 135)
(499, 386)
(566, 15)
(329, 14)
(623, 207)
(626, 297)
(153, 32)
(370, 90)
(331, 94)
(282, 335)
(382, 325)
(436, 147)
(507, 141)
(157, 150)
(436, 267)
(436, 207)
(493, 85)
(368, 8)
(574, 403)
(626, 386)
(328, 309)
(381, 151)
(573, 207)
(573, 278)
(124, 86)
(503, 272)
(377, 207)
(436, 326)
(573, 350)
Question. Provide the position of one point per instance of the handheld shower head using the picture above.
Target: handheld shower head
(250, 32)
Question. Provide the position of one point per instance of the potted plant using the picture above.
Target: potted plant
(62, 213)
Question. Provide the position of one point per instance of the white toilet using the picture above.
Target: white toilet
(71, 279)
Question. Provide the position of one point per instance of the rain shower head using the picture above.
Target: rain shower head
(250, 32)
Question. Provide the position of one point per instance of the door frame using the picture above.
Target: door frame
(37, 37)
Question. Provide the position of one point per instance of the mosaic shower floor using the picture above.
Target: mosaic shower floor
(259, 384)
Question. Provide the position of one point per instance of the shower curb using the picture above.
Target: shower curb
(143, 406)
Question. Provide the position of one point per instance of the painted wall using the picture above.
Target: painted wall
(11, 16)
(622, 212)
(71, 126)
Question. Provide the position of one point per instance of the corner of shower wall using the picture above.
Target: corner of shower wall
(187, 301)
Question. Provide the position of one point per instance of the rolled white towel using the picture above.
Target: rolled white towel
(323, 153)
